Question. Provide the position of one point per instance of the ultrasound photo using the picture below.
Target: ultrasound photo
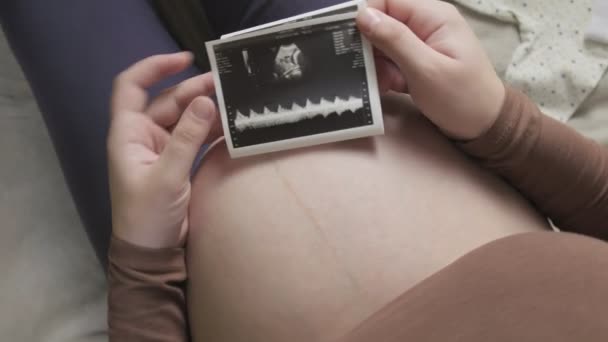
(345, 7)
(296, 85)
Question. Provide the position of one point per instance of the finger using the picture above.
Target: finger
(389, 76)
(215, 132)
(378, 53)
(166, 109)
(130, 86)
(190, 133)
(395, 40)
(135, 128)
(422, 17)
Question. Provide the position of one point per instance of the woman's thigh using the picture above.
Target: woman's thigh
(70, 51)
(528, 287)
(305, 244)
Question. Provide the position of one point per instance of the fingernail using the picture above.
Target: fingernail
(202, 109)
(187, 54)
(368, 18)
(203, 114)
(182, 56)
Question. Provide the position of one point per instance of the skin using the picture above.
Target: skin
(431, 52)
(425, 48)
(304, 245)
(151, 148)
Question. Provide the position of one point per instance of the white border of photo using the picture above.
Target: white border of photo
(376, 128)
(359, 3)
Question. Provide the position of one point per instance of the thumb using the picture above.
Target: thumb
(189, 134)
(394, 39)
(389, 76)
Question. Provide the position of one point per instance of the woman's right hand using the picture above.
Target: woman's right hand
(431, 52)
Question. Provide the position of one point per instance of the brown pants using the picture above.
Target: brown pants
(528, 287)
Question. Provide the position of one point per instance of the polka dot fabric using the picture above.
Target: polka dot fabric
(554, 64)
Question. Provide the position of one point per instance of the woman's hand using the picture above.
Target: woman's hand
(149, 164)
(430, 51)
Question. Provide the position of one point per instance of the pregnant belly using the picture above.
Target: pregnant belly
(304, 245)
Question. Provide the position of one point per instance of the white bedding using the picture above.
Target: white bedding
(500, 40)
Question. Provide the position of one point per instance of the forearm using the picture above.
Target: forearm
(563, 173)
(146, 299)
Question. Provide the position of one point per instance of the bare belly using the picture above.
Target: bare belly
(304, 245)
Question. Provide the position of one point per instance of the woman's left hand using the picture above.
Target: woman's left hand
(149, 160)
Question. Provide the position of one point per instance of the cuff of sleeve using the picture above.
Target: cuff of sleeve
(493, 140)
(146, 259)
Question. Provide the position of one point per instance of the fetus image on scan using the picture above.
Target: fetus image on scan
(281, 63)
(288, 63)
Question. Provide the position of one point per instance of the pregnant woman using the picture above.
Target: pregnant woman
(435, 231)
(315, 244)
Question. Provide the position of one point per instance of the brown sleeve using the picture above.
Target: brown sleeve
(146, 300)
(563, 173)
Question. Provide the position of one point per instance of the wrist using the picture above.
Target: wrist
(474, 122)
(149, 236)
(125, 255)
(497, 95)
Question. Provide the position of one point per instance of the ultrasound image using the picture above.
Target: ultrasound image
(293, 83)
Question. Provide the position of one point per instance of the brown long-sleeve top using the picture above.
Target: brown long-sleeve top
(564, 174)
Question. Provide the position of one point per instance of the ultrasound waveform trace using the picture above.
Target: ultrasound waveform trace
(296, 113)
